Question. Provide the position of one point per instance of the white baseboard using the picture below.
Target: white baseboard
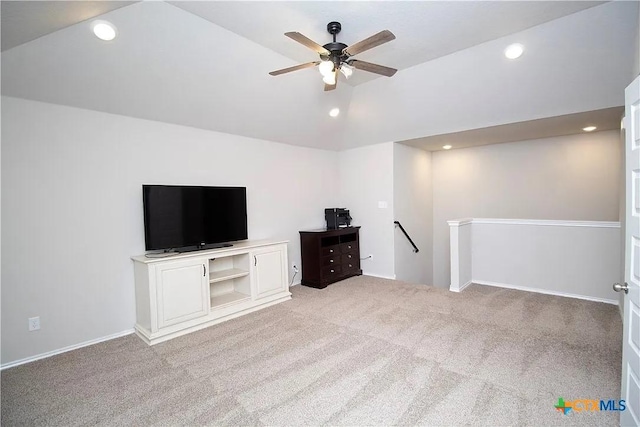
(461, 288)
(380, 276)
(544, 291)
(65, 349)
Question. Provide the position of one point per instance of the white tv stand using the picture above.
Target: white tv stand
(185, 292)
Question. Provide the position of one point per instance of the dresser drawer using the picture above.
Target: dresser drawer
(350, 258)
(331, 271)
(331, 260)
(350, 267)
(349, 247)
(330, 250)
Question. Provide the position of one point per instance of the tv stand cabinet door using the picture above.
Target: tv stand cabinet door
(269, 271)
(182, 291)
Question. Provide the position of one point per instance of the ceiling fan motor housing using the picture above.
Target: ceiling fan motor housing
(336, 48)
(336, 55)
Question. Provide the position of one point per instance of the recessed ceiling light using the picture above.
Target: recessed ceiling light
(334, 112)
(589, 128)
(104, 30)
(447, 147)
(514, 51)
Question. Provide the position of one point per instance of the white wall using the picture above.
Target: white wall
(72, 210)
(366, 178)
(565, 178)
(577, 259)
(412, 205)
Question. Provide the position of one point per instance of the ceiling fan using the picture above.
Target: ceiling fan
(336, 56)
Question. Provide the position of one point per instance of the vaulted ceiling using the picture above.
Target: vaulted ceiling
(205, 64)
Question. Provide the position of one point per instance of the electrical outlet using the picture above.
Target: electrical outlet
(34, 323)
(370, 256)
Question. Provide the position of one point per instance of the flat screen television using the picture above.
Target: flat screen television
(186, 218)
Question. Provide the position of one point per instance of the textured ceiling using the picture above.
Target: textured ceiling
(23, 21)
(606, 119)
(425, 30)
(171, 65)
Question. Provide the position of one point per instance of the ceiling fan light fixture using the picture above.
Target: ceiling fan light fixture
(334, 112)
(326, 68)
(346, 70)
(329, 79)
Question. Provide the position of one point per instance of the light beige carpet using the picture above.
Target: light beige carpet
(364, 351)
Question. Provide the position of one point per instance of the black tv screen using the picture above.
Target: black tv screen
(186, 217)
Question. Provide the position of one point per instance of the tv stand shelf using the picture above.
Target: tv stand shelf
(229, 298)
(232, 273)
(185, 292)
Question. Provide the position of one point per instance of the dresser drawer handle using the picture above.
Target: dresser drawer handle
(332, 271)
(330, 260)
(350, 265)
(349, 246)
(349, 256)
(330, 251)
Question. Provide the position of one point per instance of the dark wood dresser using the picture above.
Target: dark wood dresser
(329, 256)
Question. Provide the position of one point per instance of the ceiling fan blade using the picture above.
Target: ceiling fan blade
(294, 68)
(372, 68)
(307, 42)
(369, 43)
(333, 86)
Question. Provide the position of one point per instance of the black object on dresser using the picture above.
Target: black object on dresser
(337, 218)
(329, 256)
